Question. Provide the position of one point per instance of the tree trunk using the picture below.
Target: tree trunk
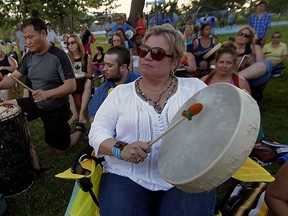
(136, 6)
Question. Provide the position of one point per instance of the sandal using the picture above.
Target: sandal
(80, 127)
(42, 169)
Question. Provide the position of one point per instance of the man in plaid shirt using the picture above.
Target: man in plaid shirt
(260, 22)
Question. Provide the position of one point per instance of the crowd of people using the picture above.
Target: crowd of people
(147, 75)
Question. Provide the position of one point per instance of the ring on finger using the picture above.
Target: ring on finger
(139, 159)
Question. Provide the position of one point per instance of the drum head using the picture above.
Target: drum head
(8, 111)
(212, 50)
(200, 154)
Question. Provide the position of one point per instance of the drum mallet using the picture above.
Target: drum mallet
(192, 111)
(19, 82)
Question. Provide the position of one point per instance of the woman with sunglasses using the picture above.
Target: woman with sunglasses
(133, 115)
(246, 48)
(225, 64)
(81, 63)
(251, 64)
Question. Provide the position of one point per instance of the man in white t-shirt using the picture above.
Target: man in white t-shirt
(51, 35)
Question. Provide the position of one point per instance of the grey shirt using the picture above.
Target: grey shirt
(46, 72)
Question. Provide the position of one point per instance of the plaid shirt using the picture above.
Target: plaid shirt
(260, 25)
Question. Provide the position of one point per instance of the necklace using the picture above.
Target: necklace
(156, 103)
(158, 89)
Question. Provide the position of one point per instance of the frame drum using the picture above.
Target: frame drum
(201, 154)
(16, 173)
(212, 51)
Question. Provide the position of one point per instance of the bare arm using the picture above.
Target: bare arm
(243, 84)
(276, 195)
(259, 53)
(13, 64)
(282, 60)
(67, 88)
(130, 152)
(89, 63)
(8, 82)
(191, 67)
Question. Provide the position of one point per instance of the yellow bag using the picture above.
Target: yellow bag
(81, 202)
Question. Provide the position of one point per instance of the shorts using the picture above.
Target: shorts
(263, 79)
(55, 121)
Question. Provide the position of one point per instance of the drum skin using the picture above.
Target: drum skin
(201, 154)
(16, 172)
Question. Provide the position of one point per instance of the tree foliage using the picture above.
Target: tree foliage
(65, 15)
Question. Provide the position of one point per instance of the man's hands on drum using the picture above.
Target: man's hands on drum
(136, 152)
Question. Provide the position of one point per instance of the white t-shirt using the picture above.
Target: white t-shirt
(126, 117)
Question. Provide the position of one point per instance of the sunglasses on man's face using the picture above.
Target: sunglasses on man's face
(276, 37)
(157, 53)
(241, 34)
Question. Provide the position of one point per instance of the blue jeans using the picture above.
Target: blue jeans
(121, 196)
(263, 79)
(277, 69)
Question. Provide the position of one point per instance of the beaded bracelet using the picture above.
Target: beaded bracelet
(116, 152)
(117, 148)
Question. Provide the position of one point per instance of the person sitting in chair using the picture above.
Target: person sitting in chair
(277, 52)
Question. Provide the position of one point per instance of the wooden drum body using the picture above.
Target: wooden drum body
(16, 172)
(201, 154)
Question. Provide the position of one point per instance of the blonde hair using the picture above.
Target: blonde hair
(80, 48)
(252, 33)
(174, 37)
(186, 30)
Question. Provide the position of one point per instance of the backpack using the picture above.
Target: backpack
(93, 38)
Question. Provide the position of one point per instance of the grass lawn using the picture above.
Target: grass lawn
(49, 196)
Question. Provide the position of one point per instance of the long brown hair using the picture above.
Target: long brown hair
(80, 48)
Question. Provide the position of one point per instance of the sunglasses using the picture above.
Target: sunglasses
(71, 43)
(241, 34)
(157, 53)
(276, 37)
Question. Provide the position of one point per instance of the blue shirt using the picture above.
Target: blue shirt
(124, 26)
(102, 92)
(108, 26)
(260, 25)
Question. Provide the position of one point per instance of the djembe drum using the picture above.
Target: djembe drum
(16, 172)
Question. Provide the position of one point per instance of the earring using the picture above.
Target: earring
(172, 72)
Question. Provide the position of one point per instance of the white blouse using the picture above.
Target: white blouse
(126, 117)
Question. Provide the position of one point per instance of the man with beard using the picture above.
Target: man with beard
(116, 72)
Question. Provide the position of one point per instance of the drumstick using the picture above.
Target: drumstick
(192, 111)
(241, 61)
(19, 82)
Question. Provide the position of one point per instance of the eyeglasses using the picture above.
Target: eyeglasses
(157, 53)
(71, 43)
(241, 34)
(276, 37)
